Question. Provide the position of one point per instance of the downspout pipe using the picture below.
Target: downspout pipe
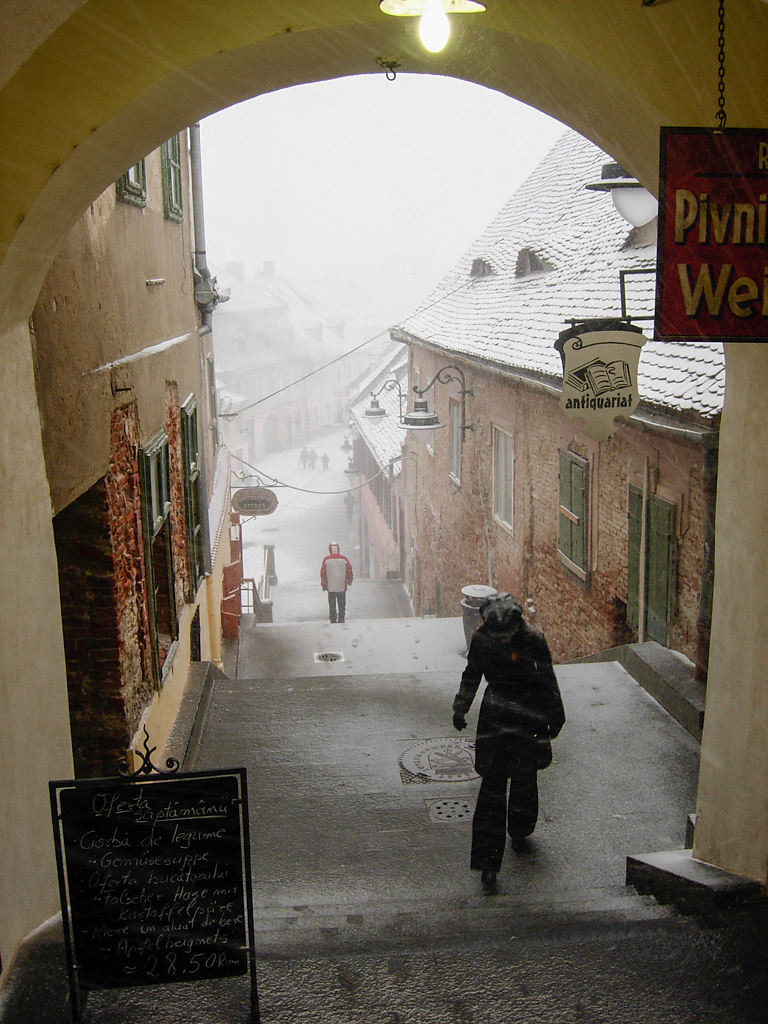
(206, 296)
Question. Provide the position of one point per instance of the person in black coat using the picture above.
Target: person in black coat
(521, 711)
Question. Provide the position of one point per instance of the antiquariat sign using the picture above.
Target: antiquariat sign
(254, 501)
(600, 362)
(712, 280)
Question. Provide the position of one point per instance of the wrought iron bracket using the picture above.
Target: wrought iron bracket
(146, 767)
(444, 377)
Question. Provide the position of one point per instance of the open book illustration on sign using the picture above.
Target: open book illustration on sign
(601, 377)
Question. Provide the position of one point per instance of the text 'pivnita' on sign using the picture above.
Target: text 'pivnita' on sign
(157, 878)
(712, 280)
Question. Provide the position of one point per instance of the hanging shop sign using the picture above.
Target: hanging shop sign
(254, 501)
(600, 364)
(712, 280)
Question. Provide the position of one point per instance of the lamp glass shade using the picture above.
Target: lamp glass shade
(415, 8)
(422, 422)
(636, 205)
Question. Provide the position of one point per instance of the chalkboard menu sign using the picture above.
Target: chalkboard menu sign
(154, 877)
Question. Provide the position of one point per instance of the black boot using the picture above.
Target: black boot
(488, 878)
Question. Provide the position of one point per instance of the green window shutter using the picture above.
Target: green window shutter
(155, 499)
(564, 534)
(196, 538)
(170, 161)
(579, 509)
(661, 529)
(634, 529)
(132, 186)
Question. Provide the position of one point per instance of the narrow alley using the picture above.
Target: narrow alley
(361, 797)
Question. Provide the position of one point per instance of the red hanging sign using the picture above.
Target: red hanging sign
(712, 281)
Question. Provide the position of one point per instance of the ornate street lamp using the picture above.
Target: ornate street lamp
(374, 410)
(422, 418)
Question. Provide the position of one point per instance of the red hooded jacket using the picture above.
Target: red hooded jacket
(336, 570)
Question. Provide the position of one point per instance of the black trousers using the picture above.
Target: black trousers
(337, 599)
(503, 805)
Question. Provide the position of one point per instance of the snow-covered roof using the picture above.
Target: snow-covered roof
(509, 312)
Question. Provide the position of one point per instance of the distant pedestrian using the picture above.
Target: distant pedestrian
(304, 458)
(335, 576)
(325, 460)
(349, 501)
(312, 459)
(521, 711)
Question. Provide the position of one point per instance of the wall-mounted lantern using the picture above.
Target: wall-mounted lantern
(375, 410)
(423, 419)
(632, 201)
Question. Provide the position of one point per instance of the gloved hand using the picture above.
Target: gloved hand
(459, 721)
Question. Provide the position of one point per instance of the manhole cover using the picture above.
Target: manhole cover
(449, 759)
(448, 812)
(328, 656)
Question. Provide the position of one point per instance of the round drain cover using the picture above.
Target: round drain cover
(450, 811)
(450, 759)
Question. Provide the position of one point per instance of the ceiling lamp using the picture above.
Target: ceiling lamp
(434, 27)
(632, 202)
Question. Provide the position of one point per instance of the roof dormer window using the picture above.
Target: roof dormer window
(480, 267)
(529, 262)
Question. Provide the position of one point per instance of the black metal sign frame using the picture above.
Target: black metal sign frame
(154, 878)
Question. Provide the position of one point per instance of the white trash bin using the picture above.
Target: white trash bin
(474, 595)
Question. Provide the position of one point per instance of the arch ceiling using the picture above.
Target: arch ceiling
(90, 87)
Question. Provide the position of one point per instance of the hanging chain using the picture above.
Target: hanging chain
(721, 117)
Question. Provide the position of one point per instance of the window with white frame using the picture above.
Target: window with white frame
(503, 477)
(454, 426)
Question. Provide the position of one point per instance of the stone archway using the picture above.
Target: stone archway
(86, 88)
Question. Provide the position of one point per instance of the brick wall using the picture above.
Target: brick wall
(184, 589)
(91, 634)
(99, 544)
(458, 541)
(125, 525)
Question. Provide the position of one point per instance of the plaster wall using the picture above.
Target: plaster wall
(382, 548)
(104, 337)
(33, 693)
(732, 820)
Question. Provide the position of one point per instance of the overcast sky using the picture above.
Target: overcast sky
(382, 184)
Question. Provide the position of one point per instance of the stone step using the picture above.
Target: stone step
(360, 926)
(667, 675)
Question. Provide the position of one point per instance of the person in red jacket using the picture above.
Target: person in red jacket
(335, 577)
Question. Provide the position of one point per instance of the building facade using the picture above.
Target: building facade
(285, 365)
(606, 541)
(376, 413)
(124, 364)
